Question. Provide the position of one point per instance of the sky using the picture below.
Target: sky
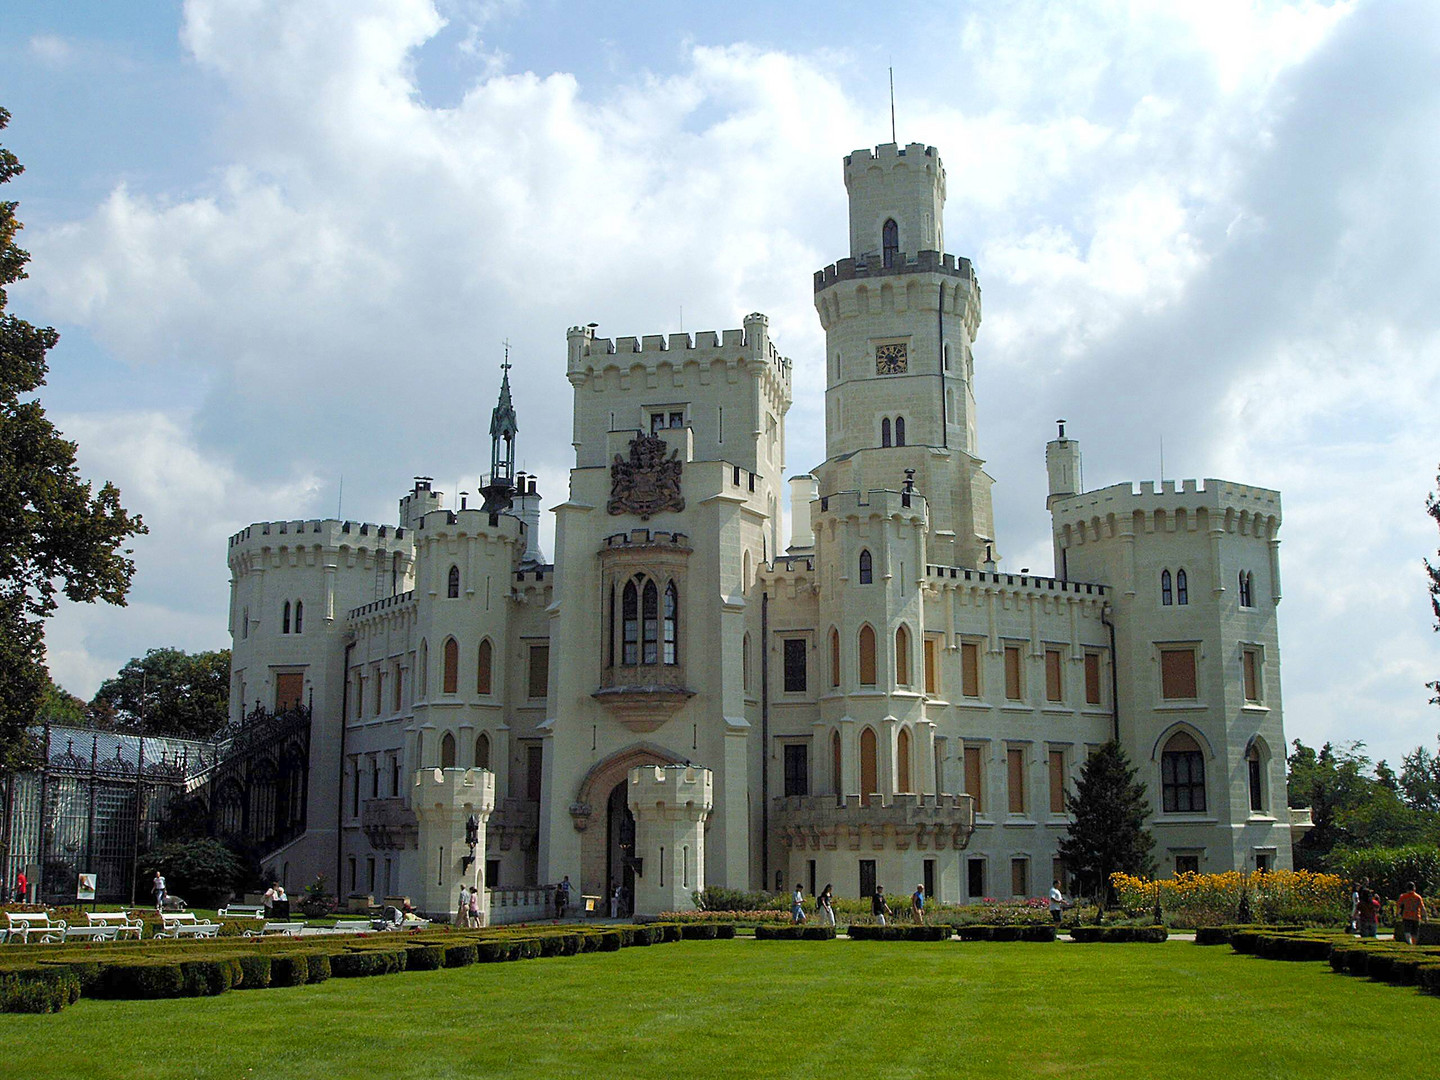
(283, 243)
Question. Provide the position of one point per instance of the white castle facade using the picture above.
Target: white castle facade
(676, 700)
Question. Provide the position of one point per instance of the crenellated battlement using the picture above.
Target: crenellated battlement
(472, 521)
(326, 532)
(671, 787)
(645, 538)
(921, 262)
(889, 155)
(1169, 506)
(880, 503)
(589, 354)
(1030, 584)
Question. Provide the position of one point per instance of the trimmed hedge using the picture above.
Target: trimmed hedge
(37, 989)
(254, 971)
(1149, 934)
(893, 933)
(1221, 935)
(1013, 932)
(794, 933)
(362, 962)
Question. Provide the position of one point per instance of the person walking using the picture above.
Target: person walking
(1057, 902)
(1367, 912)
(917, 904)
(825, 903)
(22, 888)
(1411, 906)
(562, 897)
(878, 907)
(797, 905)
(614, 900)
(157, 886)
(472, 919)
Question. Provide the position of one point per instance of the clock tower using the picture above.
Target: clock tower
(900, 318)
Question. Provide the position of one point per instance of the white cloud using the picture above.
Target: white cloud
(1207, 222)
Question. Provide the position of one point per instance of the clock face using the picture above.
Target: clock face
(890, 359)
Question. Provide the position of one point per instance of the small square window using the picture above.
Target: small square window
(1177, 675)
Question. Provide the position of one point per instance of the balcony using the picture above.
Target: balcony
(643, 696)
(829, 822)
(1300, 821)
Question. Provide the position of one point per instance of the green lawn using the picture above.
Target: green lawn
(812, 1011)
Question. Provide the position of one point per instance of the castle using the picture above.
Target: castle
(677, 700)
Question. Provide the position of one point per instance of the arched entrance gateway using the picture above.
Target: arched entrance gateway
(603, 840)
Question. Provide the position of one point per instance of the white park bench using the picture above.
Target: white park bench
(122, 922)
(21, 924)
(92, 932)
(351, 926)
(242, 911)
(180, 924)
(272, 929)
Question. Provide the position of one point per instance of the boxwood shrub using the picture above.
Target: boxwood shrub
(462, 955)
(896, 933)
(698, 931)
(724, 931)
(152, 979)
(1152, 934)
(424, 957)
(254, 971)
(794, 933)
(362, 962)
(37, 989)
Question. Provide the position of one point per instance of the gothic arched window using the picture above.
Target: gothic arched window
(1182, 775)
(452, 667)
(1166, 596)
(630, 625)
(1182, 587)
(482, 751)
(834, 657)
(285, 618)
(902, 656)
(452, 585)
(672, 613)
(867, 656)
(869, 774)
(885, 431)
(299, 615)
(867, 574)
(650, 623)
(837, 775)
(483, 664)
(447, 751)
(899, 431)
(890, 241)
(902, 761)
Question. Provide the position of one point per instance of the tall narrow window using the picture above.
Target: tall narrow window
(969, 669)
(974, 777)
(1013, 690)
(285, 618)
(483, 663)
(903, 782)
(794, 658)
(745, 662)
(867, 573)
(650, 623)
(1167, 597)
(1054, 672)
(1247, 589)
(299, 616)
(1182, 587)
(869, 776)
(1182, 776)
(452, 585)
(837, 775)
(1015, 779)
(1092, 678)
(539, 671)
(797, 769)
(423, 690)
(1255, 771)
(867, 656)
(630, 622)
(889, 241)
(1250, 668)
(902, 656)
(885, 431)
(482, 751)
(672, 608)
(447, 751)
(1057, 781)
(834, 657)
(610, 630)
(932, 667)
(899, 431)
(452, 667)
(399, 689)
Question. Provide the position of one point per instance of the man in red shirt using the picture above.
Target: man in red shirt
(22, 888)
(1412, 910)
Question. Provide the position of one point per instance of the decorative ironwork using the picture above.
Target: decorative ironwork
(648, 482)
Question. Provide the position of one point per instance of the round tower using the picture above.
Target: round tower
(670, 804)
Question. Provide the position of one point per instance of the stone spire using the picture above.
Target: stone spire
(503, 429)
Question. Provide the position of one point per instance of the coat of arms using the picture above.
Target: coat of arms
(648, 482)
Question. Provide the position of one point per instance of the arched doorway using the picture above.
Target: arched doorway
(603, 796)
(620, 848)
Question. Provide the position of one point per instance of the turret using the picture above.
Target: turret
(1062, 464)
(503, 429)
(896, 197)
(419, 502)
(527, 509)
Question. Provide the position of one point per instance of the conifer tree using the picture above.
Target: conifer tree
(56, 533)
(1107, 832)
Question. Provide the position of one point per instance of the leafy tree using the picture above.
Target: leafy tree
(169, 692)
(1420, 780)
(59, 706)
(1432, 507)
(56, 533)
(204, 872)
(1107, 832)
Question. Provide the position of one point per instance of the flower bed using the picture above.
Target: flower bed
(1190, 901)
